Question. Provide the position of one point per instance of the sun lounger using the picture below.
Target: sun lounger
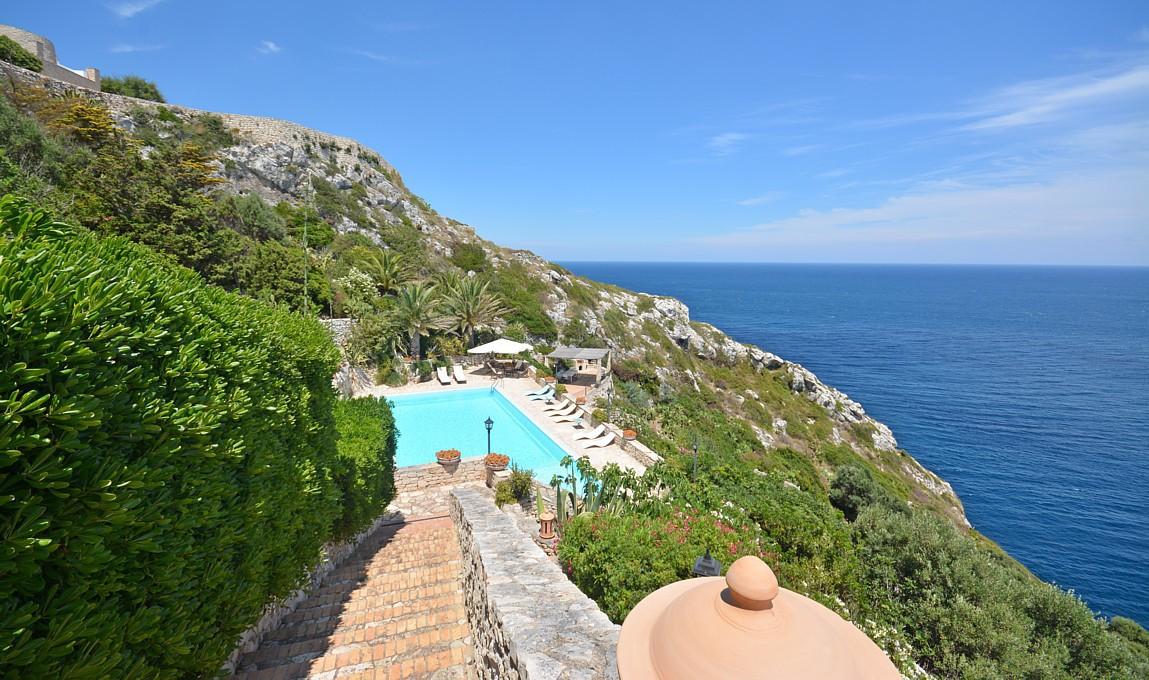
(460, 376)
(604, 440)
(565, 411)
(596, 432)
(443, 377)
(559, 405)
(545, 395)
(569, 418)
(542, 390)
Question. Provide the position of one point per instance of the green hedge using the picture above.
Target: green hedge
(11, 52)
(366, 472)
(167, 452)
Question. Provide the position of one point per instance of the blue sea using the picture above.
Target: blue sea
(1024, 387)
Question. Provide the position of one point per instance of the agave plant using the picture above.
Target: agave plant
(612, 490)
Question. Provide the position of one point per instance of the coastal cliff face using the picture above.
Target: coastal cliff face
(282, 161)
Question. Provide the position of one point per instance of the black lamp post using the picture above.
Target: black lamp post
(707, 566)
(489, 423)
(694, 475)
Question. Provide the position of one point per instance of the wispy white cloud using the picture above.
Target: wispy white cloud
(268, 47)
(125, 48)
(130, 8)
(1033, 101)
(1041, 101)
(761, 198)
(801, 150)
(834, 173)
(1022, 217)
(726, 143)
(386, 58)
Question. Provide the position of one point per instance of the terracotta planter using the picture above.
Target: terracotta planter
(629, 435)
(550, 379)
(448, 457)
(497, 462)
(581, 401)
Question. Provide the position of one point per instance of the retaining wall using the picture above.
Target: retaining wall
(431, 475)
(528, 621)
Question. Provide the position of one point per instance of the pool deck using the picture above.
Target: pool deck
(515, 389)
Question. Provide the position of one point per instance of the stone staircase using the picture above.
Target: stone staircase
(394, 609)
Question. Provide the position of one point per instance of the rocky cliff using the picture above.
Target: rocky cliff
(283, 161)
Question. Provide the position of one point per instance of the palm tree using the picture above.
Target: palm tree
(417, 308)
(385, 267)
(470, 306)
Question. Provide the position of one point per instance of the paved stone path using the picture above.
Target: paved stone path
(394, 609)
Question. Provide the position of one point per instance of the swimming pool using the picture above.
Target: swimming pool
(454, 420)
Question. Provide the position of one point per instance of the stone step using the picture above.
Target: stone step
(321, 652)
(388, 578)
(371, 601)
(393, 619)
(394, 610)
(443, 663)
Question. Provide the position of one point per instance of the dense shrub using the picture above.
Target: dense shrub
(72, 157)
(366, 470)
(11, 52)
(969, 613)
(469, 257)
(251, 216)
(167, 456)
(131, 86)
(160, 126)
(619, 559)
(854, 489)
(524, 294)
(522, 482)
(503, 494)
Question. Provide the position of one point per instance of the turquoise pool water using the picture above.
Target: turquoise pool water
(454, 420)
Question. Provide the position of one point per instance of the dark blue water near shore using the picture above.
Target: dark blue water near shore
(1024, 387)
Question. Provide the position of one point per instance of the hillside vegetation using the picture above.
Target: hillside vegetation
(790, 468)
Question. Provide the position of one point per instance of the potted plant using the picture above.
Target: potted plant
(424, 370)
(448, 456)
(629, 435)
(497, 462)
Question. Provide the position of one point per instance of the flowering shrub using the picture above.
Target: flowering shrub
(619, 559)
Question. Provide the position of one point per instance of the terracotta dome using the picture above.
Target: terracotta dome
(743, 626)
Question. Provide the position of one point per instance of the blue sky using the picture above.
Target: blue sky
(981, 132)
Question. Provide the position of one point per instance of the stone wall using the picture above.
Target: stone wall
(528, 621)
(431, 475)
(45, 51)
(256, 129)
